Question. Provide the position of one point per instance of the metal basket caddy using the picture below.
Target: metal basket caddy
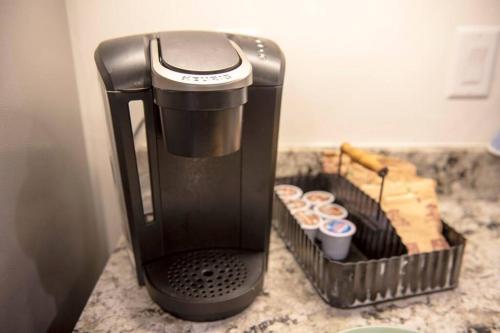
(378, 268)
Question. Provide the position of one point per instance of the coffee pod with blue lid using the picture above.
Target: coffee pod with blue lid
(336, 238)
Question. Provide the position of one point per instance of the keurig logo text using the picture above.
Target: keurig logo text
(206, 78)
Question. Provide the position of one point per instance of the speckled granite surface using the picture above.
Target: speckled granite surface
(470, 202)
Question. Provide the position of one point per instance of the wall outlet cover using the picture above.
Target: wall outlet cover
(473, 62)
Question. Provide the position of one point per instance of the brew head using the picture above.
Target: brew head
(200, 82)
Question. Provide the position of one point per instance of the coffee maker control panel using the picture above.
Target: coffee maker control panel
(268, 62)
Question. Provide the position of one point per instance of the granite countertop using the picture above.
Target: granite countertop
(469, 188)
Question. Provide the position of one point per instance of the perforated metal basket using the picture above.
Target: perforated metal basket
(378, 268)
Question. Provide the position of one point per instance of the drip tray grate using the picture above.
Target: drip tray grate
(206, 274)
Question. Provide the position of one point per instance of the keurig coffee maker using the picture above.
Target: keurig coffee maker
(198, 220)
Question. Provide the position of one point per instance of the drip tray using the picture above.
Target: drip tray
(207, 274)
(206, 284)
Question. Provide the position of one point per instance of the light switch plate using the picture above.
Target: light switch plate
(473, 62)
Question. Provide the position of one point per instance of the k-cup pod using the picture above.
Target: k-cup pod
(309, 222)
(288, 192)
(296, 205)
(318, 198)
(336, 238)
(331, 211)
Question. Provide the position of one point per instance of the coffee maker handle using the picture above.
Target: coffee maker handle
(141, 229)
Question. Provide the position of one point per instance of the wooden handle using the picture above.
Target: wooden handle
(364, 158)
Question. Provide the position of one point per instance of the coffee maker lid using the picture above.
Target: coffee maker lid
(197, 52)
(198, 61)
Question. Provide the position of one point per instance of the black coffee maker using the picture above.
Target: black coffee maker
(199, 213)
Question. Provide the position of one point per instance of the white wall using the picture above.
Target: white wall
(52, 248)
(371, 72)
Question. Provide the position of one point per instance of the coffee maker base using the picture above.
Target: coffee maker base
(206, 285)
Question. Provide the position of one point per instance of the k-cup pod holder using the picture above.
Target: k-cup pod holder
(378, 268)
